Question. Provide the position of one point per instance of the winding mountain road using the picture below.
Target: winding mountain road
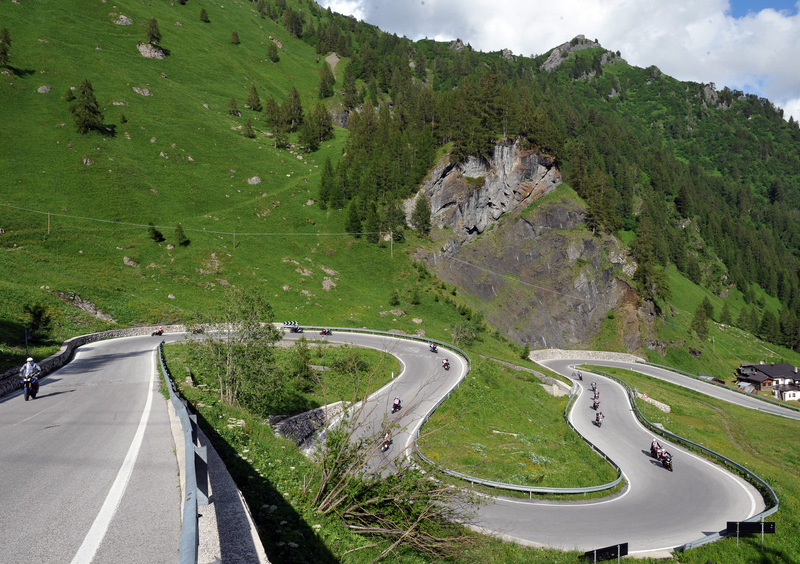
(90, 474)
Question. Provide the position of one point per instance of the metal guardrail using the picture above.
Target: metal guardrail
(708, 380)
(751, 476)
(472, 479)
(196, 487)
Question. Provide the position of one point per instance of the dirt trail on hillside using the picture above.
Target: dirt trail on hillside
(333, 59)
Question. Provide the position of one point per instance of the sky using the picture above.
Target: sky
(748, 45)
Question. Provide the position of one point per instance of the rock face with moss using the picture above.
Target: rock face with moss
(470, 196)
(521, 250)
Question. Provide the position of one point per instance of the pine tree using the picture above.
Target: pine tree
(233, 108)
(181, 237)
(5, 44)
(292, 111)
(700, 322)
(708, 306)
(353, 222)
(326, 183)
(308, 137)
(725, 316)
(247, 129)
(154, 233)
(235, 38)
(421, 216)
(350, 93)
(272, 52)
(253, 101)
(204, 15)
(153, 33)
(373, 224)
(86, 110)
(326, 81)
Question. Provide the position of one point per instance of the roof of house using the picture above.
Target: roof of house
(781, 370)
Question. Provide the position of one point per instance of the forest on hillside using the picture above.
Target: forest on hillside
(702, 179)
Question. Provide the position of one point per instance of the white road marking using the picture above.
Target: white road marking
(99, 528)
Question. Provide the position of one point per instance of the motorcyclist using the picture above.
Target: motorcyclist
(596, 403)
(580, 376)
(597, 394)
(32, 369)
(433, 347)
(445, 363)
(599, 418)
(594, 386)
(396, 404)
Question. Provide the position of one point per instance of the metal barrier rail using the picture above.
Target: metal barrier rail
(708, 380)
(196, 487)
(751, 476)
(472, 479)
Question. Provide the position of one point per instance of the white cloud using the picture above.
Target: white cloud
(688, 39)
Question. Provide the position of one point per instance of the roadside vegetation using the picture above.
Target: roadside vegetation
(143, 189)
(766, 444)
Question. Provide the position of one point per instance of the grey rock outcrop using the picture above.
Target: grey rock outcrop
(560, 53)
(151, 51)
(470, 196)
(541, 277)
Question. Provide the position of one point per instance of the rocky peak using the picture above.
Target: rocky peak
(578, 43)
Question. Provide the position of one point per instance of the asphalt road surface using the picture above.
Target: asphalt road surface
(89, 472)
(88, 468)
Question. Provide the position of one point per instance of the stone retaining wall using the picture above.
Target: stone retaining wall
(10, 381)
(554, 354)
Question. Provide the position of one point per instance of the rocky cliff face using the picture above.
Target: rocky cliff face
(470, 196)
(540, 275)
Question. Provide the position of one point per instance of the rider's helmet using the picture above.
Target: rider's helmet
(30, 359)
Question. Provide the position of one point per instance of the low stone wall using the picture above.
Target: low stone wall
(554, 354)
(10, 380)
(660, 405)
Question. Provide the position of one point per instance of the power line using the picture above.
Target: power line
(213, 232)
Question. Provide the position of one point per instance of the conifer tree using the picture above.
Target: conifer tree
(700, 322)
(272, 111)
(421, 216)
(235, 38)
(247, 129)
(154, 233)
(272, 52)
(353, 222)
(308, 137)
(233, 108)
(326, 183)
(326, 81)
(708, 306)
(253, 101)
(204, 15)
(725, 316)
(373, 224)
(5, 44)
(350, 93)
(153, 33)
(292, 110)
(86, 110)
(180, 236)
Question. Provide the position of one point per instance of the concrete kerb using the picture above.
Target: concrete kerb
(9, 379)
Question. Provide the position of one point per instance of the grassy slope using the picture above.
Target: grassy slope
(767, 445)
(41, 168)
(283, 245)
